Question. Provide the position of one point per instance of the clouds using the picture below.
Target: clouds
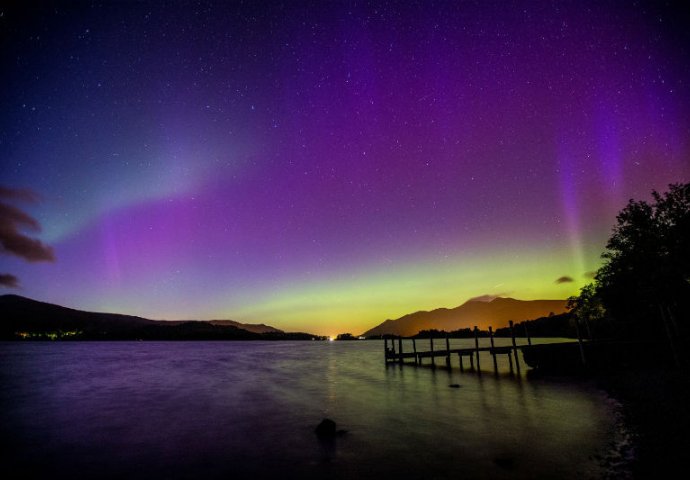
(568, 279)
(10, 281)
(13, 241)
(21, 194)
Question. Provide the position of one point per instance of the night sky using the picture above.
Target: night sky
(323, 166)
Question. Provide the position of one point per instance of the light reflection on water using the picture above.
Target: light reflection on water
(248, 409)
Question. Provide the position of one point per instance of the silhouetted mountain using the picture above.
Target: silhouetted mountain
(495, 313)
(27, 318)
(250, 327)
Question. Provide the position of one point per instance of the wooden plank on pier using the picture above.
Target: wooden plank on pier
(443, 353)
(395, 353)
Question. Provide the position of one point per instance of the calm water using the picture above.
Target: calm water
(248, 410)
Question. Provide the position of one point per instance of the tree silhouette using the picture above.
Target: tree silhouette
(588, 309)
(645, 281)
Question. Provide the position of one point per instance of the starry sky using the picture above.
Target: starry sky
(324, 166)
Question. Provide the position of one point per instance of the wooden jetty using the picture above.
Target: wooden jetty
(395, 350)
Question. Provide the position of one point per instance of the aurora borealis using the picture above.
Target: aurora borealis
(323, 166)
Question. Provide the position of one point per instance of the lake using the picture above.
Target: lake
(249, 409)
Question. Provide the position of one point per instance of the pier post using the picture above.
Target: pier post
(476, 345)
(529, 340)
(400, 350)
(515, 350)
(462, 367)
(431, 344)
(414, 349)
(385, 349)
(447, 351)
(493, 354)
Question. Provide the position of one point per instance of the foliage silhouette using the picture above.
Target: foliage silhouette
(643, 288)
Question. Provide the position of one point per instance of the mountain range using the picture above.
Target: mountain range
(495, 313)
(27, 318)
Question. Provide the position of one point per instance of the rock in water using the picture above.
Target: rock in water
(325, 429)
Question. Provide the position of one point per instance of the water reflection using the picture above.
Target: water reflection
(219, 409)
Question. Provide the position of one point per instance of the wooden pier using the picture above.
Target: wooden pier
(395, 351)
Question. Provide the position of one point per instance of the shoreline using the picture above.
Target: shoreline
(653, 404)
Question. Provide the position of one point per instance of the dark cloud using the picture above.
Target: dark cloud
(21, 194)
(7, 280)
(13, 223)
(564, 279)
